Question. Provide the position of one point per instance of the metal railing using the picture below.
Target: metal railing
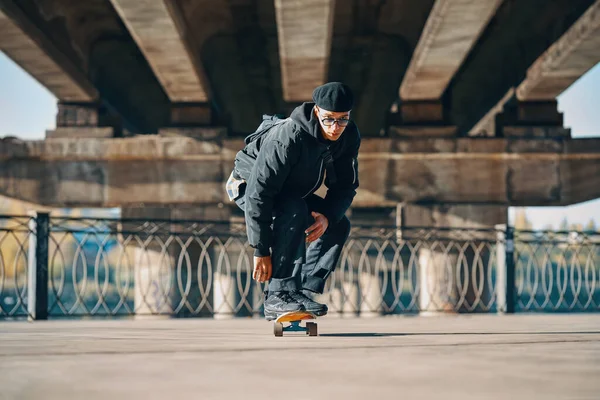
(72, 267)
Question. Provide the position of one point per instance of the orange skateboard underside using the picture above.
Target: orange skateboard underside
(295, 316)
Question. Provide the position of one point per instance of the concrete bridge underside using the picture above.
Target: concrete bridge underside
(456, 99)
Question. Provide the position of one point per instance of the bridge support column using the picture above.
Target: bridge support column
(453, 269)
(415, 119)
(174, 263)
(531, 119)
(148, 259)
(85, 120)
(190, 114)
(356, 286)
(370, 271)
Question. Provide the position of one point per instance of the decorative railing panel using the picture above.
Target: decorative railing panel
(108, 267)
(16, 234)
(557, 271)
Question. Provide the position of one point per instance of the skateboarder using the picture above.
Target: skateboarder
(297, 235)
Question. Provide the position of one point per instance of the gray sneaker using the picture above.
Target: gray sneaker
(278, 303)
(304, 297)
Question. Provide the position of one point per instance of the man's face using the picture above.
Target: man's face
(332, 123)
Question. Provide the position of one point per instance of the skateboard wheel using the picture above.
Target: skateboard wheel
(278, 329)
(311, 329)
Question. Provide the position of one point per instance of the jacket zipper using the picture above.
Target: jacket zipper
(318, 180)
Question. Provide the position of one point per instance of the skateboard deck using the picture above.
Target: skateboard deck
(294, 318)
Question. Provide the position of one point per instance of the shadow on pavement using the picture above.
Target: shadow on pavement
(385, 334)
(361, 334)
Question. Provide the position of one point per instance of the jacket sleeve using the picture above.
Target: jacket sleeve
(340, 195)
(266, 179)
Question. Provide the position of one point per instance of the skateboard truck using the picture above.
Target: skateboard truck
(295, 318)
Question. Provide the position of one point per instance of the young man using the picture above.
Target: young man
(273, 182)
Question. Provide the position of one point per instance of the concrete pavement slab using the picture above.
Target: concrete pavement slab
(450, 357)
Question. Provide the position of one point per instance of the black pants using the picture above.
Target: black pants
(294, 266)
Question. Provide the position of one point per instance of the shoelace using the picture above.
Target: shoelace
(299, 296)
(286, 296)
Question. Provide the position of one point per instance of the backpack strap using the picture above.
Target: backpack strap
(268, 121)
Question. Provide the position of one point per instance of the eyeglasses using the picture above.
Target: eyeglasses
(331, 121)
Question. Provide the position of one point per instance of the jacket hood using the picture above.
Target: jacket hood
(304, 116)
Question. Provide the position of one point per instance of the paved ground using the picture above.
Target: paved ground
(457, 357)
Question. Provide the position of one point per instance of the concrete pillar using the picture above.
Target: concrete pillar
(224, 285)
(89, 120)
(211, 274)
(437, 271)
(77, 114)
(531, 119)
(342, 293)
(245, 295)
(453, 265)
(151, 259)
(505, 273)
(357, 287)
(174, 261)
(230, 267)
(373, 271)
(153, 277)
(417, 119)
(190, 114)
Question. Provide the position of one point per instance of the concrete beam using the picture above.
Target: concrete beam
(191, 167)
(161, 34)
(451, 31)
(27, 46)
(304, 30)
(520, 32)
(511, 117)
(576, 52)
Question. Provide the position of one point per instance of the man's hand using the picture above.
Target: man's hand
(317, 229)
(262, 269)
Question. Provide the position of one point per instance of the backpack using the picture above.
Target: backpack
(268, 122)
(265, 126)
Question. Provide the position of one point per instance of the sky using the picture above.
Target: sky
(27, 110)
(580, 105)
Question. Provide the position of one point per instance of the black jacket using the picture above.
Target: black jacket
(289, 161)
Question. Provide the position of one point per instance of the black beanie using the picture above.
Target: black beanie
(334, 96)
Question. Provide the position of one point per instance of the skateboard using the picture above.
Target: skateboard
(294, 318)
